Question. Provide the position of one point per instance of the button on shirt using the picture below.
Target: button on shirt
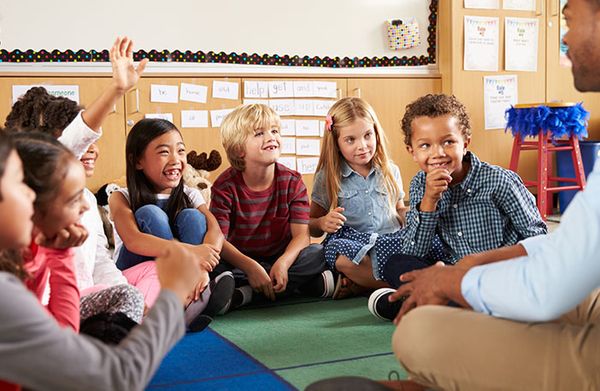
(560, 269)
(365, 200)
(490, 208)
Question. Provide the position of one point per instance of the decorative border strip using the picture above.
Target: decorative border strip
(69, 56)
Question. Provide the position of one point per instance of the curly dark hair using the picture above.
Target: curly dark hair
(435, 105)
(38, 110)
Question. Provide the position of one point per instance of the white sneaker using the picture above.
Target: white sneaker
(328, 283)
(381, 307)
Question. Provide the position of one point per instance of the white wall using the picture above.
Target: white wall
(302, 27)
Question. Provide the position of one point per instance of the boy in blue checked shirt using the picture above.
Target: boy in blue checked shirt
(459, 205)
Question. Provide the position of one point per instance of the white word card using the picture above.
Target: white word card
(225, 90)
(161, 93)
(193, 93)
(194, 119)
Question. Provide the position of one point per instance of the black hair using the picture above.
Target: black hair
(141, 190)
(38, 110)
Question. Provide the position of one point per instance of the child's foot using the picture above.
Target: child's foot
(345, 288)
(241, 296)
(381, 307)
(322, 285)
(217, 296)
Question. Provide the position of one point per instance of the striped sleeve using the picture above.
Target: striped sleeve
(221, 204)
(298, 201)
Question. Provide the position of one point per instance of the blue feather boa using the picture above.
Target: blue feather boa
(559, 121)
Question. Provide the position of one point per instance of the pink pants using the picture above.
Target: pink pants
(143, 276)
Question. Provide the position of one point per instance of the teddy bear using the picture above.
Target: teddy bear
(196, 172)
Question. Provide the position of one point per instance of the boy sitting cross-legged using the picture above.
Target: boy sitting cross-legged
(459, 205)
(262, 208)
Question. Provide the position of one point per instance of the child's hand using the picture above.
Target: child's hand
(436, 183)
(208, 255)
(402, 215)
(260, 281)
(200, 286)
(72, 236)
(279, 276)
(125, 75)
(178, 270)
(332, 221)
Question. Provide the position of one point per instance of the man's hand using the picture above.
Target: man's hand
(435, 285)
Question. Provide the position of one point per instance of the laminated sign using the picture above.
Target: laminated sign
(403, 33)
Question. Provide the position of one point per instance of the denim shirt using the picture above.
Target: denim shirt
(365, 200)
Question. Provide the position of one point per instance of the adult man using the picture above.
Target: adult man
(541, 280)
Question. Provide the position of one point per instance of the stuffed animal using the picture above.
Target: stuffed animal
(197, 170)
(102, 196)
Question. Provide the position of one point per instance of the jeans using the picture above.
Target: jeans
(189, 227)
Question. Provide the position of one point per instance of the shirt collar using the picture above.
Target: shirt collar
(475, 166)
(347, 170)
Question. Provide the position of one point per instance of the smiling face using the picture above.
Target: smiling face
(16, 205)
(583, 41)
(69, 204)
(89, 160)
(358, 143)
(163, 161)
(438, 143)
(263, 147)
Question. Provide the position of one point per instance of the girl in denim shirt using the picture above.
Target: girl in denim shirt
(356, 189)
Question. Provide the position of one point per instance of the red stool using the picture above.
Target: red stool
(544, 145)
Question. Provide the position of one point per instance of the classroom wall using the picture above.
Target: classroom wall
(308, 27)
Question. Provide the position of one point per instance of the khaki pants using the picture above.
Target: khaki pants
(455, 349)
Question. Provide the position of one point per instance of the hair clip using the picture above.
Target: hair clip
(328, 123)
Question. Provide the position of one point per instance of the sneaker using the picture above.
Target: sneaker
(328, 283)
(241, 296)
(381, 307)
(215, 298)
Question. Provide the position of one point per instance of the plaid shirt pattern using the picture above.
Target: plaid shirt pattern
(490, 208)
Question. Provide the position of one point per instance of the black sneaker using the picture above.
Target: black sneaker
(199, 314)
(381, 307)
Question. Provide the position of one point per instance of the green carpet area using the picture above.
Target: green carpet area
(307, 341)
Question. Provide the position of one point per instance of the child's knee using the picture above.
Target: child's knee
(191, 216)
(151, 212)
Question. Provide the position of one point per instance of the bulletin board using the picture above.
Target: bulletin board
(311, 33)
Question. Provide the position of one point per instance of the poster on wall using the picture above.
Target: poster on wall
(519, 5)
(481, 43)
(564, 60)
(482, 4)
(499, 93)
(521, 46)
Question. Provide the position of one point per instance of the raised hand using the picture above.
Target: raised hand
(125, 74)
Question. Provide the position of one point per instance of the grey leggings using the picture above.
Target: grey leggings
(119, 298)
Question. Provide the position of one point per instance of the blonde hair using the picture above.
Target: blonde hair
(343, 113)
(241, 123)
